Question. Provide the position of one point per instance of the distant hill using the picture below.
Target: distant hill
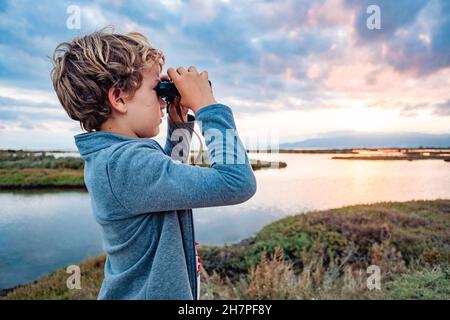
(372, 140)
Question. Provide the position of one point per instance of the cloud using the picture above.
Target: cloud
(414, 36)
(29, 97)
(29, 108)
(442, 109)
(394, 15)
(262, 56)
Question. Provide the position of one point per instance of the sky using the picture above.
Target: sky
(290, 70)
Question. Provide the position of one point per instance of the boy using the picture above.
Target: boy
(142, 195)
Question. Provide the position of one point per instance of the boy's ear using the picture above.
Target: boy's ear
(116, 98)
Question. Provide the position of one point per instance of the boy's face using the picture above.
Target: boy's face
(144, 112)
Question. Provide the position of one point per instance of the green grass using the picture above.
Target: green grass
(41, 178)
(417, 230)
(425, 284)
(324, 255)
(26, 169)
(37, 160)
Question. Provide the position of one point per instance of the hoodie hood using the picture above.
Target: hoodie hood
(91, 142)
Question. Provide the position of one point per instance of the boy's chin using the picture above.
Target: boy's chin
(148, 132)
(153, 133)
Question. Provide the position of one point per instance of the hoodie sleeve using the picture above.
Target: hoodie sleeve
(179, 139)
(144, 179)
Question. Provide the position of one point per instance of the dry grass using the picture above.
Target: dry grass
(274, 278)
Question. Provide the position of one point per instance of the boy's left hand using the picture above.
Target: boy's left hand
(177, 112)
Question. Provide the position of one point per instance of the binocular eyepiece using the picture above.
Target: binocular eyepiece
(168, 91)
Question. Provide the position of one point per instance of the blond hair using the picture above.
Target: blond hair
(85, 68)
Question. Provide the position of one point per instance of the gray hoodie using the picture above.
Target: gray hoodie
(142, 196)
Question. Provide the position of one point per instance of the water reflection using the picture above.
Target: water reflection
(40, 232)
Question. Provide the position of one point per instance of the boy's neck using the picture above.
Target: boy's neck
(112, 126)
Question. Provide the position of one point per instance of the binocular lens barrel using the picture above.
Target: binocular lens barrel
(168, 91)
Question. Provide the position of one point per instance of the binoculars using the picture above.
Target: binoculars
(168, 91)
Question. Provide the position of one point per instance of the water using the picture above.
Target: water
(43, 231)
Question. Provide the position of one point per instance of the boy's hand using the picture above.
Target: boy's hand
(178, 113)
(193, 87)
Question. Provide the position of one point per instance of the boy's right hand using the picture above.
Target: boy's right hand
(193, 87)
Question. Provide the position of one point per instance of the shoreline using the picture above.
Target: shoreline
(407, 239)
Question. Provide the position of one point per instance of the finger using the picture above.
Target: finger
(172, 108)
(179, 112)
(193, 69)
(184, 109)
(204, 74)
(175, 102)
(173, 74)
(181, 70)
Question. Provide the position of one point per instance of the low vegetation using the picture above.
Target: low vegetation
(317, 255)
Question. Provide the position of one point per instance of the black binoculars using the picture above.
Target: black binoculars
(168, 91)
